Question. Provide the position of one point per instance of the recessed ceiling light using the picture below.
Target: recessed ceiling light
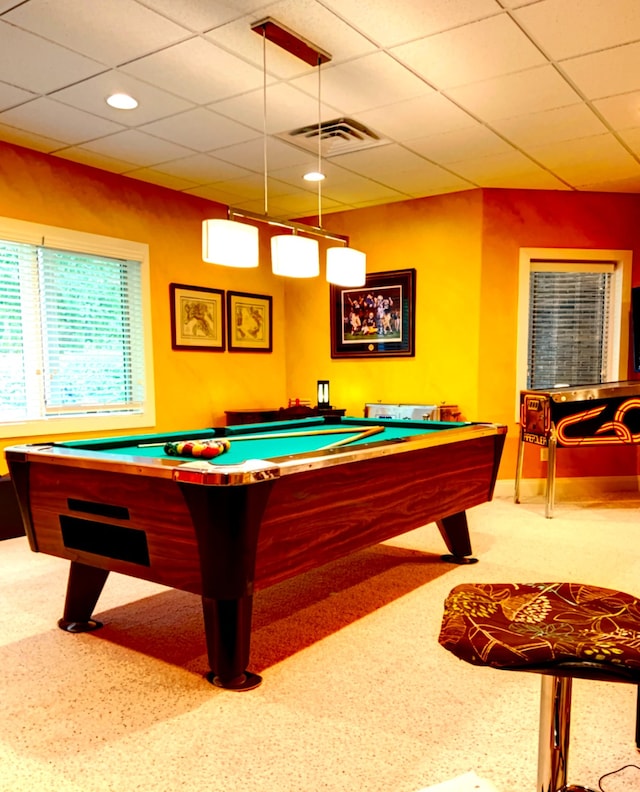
(122, 101)
(313, 176)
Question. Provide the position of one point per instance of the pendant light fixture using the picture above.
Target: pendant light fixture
(346, 267)
(294, 254)
(230, 243)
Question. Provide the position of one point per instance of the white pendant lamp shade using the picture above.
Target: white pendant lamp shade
(346, 266)
(229, 243)
(295, 256)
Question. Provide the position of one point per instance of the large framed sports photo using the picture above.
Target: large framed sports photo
(377, 319)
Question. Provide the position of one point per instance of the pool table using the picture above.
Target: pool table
(276, 504)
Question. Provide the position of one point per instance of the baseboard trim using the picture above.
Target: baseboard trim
(570, 488)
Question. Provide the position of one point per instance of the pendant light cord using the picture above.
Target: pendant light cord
(264, 118)
(319, 146)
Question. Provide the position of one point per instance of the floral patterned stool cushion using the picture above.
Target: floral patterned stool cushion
(560, 630)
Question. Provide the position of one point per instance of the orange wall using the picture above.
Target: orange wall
(523, 218)
(464, 247)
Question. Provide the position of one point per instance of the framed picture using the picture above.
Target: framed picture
(249, 322)
(197, 318)
(377, 319)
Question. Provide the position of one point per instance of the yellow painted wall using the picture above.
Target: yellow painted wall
(441, 238)
(192, 388)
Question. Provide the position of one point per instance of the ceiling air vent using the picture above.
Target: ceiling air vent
(339, 136)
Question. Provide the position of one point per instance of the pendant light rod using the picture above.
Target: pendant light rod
(302, 228)
(294, 44)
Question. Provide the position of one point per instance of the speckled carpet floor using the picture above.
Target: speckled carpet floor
(357, 693)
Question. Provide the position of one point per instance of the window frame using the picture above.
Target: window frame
(111, 247)
(562, 260)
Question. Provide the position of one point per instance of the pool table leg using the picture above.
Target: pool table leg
(83, 589)
(227, 522)
(454, 529)
(227, 625)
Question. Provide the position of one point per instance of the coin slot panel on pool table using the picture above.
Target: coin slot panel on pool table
(99, 509)
(104, 539)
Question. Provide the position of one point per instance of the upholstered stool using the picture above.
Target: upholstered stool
(559, 630)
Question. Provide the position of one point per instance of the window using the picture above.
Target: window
(573, 317)
(75, 340)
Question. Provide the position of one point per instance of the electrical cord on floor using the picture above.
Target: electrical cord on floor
(614, 772)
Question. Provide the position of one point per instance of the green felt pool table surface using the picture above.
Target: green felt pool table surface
(278, 440)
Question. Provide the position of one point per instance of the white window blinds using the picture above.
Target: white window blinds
(569, 324)
(71, 334)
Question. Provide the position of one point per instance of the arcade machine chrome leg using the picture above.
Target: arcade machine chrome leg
(551, 477)
(519, 462)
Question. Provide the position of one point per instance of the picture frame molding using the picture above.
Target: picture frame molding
(398, 284)
(263, 305)
(184, 341)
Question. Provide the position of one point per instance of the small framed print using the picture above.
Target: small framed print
(375, 320)
(249, 322)
(197, 318)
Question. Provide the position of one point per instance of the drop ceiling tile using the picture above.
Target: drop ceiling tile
(249, 186)
(364, 83)
(632, 138)
(613, 71)
(198, 71)
(10, 96)
(43, 116)
(416, 18)
(548, 126)
(95, 160)
(513, 168)
(459, 144)
(201, 15)
(251, 155)
(30, 140)
(136, 147)
(293, 174)
(112, 32)
(587, 160)
(398, 198)
(631, 185)
(161, 179)
(309, 20)
(491, 47)
(91, 95)
(414, 118)
(213, 193)
(31, 63)
(518, 3)
(201, 130)
(301, 203)
(202, 169)
(536, 179)
(529, 91)
(564, 28)
(622, 112)
(287, 109)
(360, 189)
(426, 180)
(380, 162)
